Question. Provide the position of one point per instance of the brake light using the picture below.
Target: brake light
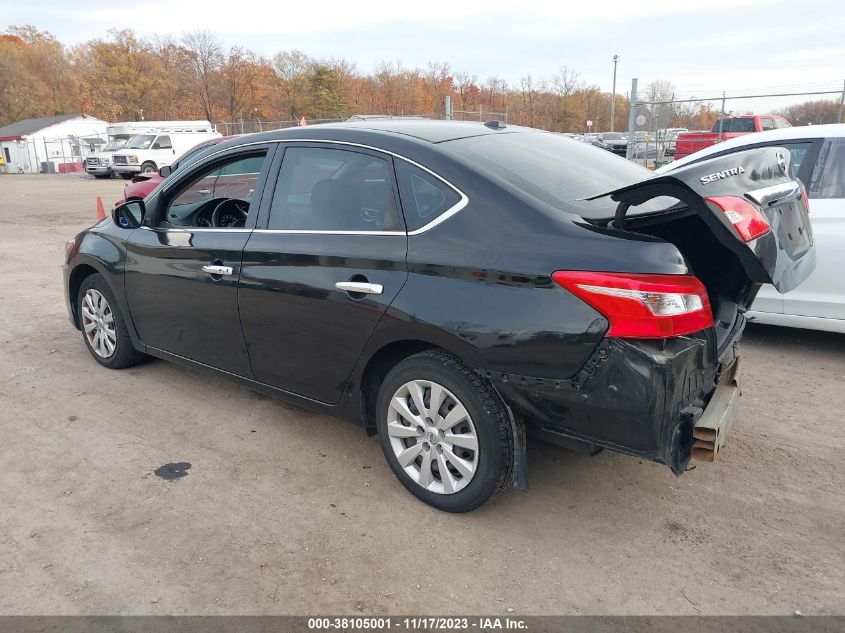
(745, 217)
(642, 306)
(805, 198)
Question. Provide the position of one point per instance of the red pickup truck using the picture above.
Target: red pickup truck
(727, 127)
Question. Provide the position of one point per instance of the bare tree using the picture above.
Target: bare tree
(464, 83)
(660, 113)
(438, 80)
(293, 68)
(565, 83)
(205, 54)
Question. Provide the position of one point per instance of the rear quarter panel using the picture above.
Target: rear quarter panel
(479, 284)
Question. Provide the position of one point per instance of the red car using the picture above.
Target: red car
(142, 184)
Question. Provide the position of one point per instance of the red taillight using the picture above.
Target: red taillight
(642, 306)
(805, 197)
(746, 218)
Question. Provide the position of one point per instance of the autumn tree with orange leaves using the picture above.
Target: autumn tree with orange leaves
(124, 77)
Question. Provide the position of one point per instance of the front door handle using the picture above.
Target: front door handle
(223, 271)
(360, 286)
(204, 191)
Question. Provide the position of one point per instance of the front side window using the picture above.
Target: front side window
(163, 142)
(424, 196)
(322, 189)
(767, 123)
(217, 195)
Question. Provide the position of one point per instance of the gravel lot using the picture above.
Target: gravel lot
(289, 512)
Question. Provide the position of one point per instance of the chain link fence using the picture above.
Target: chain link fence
(652, 140)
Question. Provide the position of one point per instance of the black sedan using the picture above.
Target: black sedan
(449, 286)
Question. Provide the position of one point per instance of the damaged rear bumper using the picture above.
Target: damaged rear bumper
(663, 400)
(710, 428)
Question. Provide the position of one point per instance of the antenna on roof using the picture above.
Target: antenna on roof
(496, 125)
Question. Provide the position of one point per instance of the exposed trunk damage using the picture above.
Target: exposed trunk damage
(669, 400)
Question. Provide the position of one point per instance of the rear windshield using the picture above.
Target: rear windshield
(734, 125)
(556, 170)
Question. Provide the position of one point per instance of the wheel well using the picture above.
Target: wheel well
(377, 369)
(77, 276)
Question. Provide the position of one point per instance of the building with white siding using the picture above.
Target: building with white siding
(55, 144)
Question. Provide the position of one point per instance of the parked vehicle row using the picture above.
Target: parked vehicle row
(448, 285)
(153, 144)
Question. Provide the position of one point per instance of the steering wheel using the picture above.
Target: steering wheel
(236, 205)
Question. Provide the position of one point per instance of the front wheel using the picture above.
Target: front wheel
(148, 168)
(445, 432)
(103, 327)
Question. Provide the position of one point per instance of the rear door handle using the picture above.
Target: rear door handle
(360, 286)
(225, 271)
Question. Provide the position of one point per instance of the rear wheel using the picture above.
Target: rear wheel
(103, 327)
(444, 432)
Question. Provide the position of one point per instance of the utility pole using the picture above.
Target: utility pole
(613, 96)
(632, 119)
(841, 105)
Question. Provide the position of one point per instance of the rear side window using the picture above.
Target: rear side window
(334, 190)
(734, 125)
(829, 176)
(424, 196)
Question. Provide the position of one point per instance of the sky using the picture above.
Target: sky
(738, 46)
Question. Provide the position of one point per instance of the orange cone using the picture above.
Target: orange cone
(101, 212)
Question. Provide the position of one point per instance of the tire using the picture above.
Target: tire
(148, 168)
(110, 346)
(480, 474)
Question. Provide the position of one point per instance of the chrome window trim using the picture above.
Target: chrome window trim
(320, 232)
(194, 229)
(448, 213)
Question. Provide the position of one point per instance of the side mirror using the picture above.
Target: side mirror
(165, 171)
(129, 215)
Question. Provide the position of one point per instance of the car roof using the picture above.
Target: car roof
(833, 130)
(432, 131)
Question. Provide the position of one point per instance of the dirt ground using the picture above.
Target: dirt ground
(289, 512)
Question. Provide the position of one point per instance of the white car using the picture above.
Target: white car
(817, 155)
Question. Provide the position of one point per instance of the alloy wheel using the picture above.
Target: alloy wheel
(98, 323)
(432, 436)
